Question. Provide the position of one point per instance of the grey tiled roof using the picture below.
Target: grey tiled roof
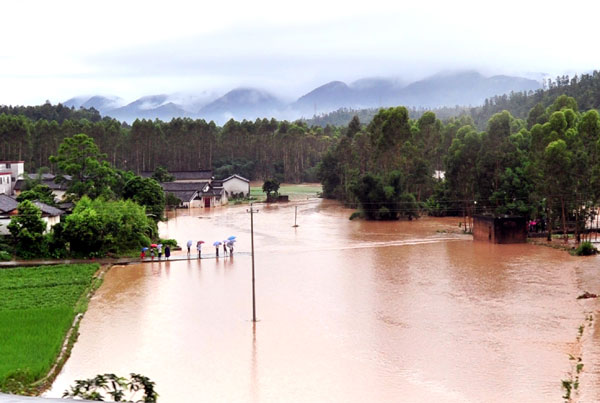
(46, 209)
(180, 186)
(202, 174)
(183, 195)
(236, 176)
(7, 203)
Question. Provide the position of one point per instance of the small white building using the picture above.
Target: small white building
(5, 183)
(16, 170)
(236, 186)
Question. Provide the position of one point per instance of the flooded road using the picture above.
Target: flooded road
(349, 311)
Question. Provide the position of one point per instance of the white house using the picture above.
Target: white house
(5, 183)
(236, 185)
(15, 169)
(200, 189)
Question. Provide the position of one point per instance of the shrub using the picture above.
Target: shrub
(586, 249)
(98, 227)
(357, 214)
(5, 256)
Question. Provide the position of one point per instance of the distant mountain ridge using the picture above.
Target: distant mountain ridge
(466, 88)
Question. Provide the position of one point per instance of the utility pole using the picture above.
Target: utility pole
(295, 216)
(252, 211)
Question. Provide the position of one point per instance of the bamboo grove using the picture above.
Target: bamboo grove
(259, 150)
(546, 167)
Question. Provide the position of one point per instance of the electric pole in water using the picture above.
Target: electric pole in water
(252, 211)
(295, 217)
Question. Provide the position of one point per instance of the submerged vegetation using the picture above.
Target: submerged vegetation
(37, 308)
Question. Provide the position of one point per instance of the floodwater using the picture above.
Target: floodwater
(348, 311)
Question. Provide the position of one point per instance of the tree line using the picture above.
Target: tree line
(545, 167)
(257, 150)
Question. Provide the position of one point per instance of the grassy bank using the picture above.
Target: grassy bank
(37, 308)
(294, 191)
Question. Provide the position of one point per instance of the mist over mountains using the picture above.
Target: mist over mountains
(467, 88)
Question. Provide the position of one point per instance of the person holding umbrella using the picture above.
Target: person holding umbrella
(199, 247)
(230, 246)
(143, 254)
(189, 245)
(216, 245)
(167, 252)
(225, 248)
(159, 249)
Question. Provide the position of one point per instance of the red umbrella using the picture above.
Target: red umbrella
(200, 242)
(153, 245)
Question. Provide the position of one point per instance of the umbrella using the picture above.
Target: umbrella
(199, 242)
(231, 238)
(153, 245)
(232, 241)
(144, 249)
(217, 243)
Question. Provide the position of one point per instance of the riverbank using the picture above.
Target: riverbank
(40, 311)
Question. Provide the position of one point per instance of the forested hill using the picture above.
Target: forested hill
(50, 112)
(585, 89)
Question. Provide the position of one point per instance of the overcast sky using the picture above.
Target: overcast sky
(59, 49)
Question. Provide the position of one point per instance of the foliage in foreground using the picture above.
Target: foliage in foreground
(104, 385)
(37, 307)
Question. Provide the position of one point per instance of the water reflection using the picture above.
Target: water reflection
(349, 311)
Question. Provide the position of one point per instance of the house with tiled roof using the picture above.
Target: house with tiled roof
(201, 189)
(8, 208)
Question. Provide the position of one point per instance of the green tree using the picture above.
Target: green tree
(558, 184)
(27, 229)
(97, 227)
(162, 175)
(80, 159)
(41, 193)
(146, 192)
(270, 186)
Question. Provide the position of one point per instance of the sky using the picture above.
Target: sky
(55, 50)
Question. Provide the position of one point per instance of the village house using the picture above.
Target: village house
(10, 173)
(58, 189)
(8, 209)
(201, 189)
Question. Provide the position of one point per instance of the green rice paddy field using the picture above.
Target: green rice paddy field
(37, 308)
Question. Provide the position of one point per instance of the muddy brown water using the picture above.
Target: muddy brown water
(349, 311)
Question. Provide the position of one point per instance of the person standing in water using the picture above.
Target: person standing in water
(159, 250)
(189, 245)
(199, 247)
(167, 252)
(224, 248)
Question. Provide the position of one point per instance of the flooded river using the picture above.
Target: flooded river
(349, 311)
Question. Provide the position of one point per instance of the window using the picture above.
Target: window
(7, 166)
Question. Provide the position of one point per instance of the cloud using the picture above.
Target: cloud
(137, 48)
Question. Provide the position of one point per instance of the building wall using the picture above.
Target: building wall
(4, 226)
(5, 185)
(236, 185)
(500, 229)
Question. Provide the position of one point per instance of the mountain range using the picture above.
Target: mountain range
(467, 88)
